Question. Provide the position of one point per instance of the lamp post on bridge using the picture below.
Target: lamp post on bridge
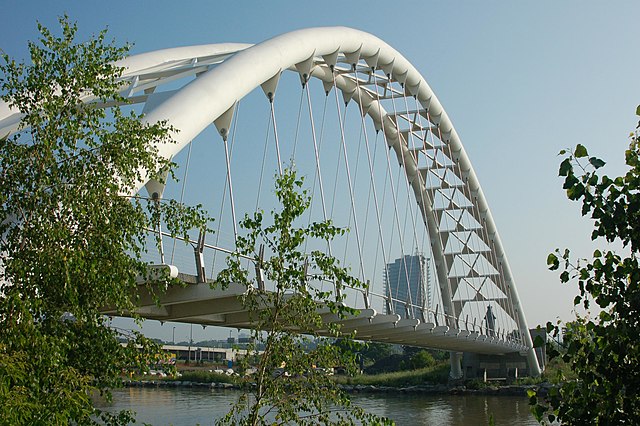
(190, 343)
(173, 337)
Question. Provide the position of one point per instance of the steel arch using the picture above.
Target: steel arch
(227, 72)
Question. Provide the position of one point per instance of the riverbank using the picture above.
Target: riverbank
(426, 389)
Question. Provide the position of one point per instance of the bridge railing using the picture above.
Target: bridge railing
(190, 254)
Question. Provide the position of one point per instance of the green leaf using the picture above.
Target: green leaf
(538, 412)
(638, 110)
(596, 162)
(605, 316)
(580, 151)
(576, 191)
(538, 342)
(550, 327)
(552, 261)
(584, 273)
(570, 181)
(565, 167)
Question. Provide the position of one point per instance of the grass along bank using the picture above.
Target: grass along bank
(437, 374)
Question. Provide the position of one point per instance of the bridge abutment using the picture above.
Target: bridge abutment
(503, 367)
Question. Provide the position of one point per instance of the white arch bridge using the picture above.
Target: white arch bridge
(379, 155)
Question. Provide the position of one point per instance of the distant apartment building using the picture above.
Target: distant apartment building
(407, 285)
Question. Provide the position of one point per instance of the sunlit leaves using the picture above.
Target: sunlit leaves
(290, 384)
(72, 239)
(580, 151)
(602, 349)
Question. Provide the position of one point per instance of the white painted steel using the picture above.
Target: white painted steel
(198, 303)
(228, 72)
(144, 71)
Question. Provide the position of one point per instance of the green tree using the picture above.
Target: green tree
(374, 351)
(71, 237)
(422, 359)
(602, 350)
(291, 383)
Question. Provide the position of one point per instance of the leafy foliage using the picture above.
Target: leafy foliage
(71, 236)
(291, 382)
(373, 351)
(366, 352)
(421, 359)
(436, 374)
(602, 351)
(412, 358)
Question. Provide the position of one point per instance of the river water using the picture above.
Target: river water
(188, 406)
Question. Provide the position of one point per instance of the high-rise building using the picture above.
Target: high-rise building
(407, 285)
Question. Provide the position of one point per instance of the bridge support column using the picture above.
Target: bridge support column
(456, 365)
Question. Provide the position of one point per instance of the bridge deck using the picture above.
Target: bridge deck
(200, 303)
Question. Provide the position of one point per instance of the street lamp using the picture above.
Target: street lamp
(173, 338)
(190, 342)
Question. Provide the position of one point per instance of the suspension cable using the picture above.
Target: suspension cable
(422, 208)
(394, 195)
(184, 182)
(379, 211)
(264, 159)
(236, 116)
(275, 133)
(316, 175)
(229, 181)
(346, 161)
(352, 214)
(295, 138)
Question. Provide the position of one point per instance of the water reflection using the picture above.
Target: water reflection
(449, 410)
(165, 406)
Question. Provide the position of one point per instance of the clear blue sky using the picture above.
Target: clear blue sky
(519, 80)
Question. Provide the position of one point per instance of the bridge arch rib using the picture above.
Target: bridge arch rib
(439, 171)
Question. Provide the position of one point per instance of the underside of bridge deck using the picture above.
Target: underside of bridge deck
(207, 304)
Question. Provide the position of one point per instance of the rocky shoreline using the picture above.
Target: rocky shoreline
(439, 389)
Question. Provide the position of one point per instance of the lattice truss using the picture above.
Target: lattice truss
(475, 276)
